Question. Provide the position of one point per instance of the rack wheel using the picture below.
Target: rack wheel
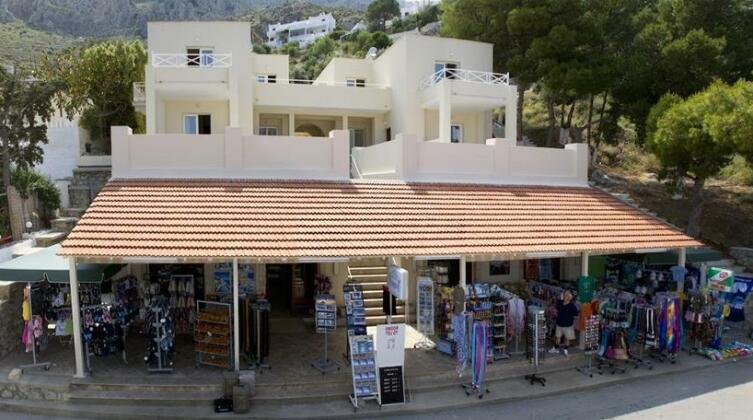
(46, 368)
(487, 391)
(481, 396)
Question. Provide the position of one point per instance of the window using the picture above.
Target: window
(266, 78)
(388, 133)
(456, 133)
(449, 71)
(355, 82)
(203, 57)
(197, 124)
(357, 137)
(267, 131)
(499, 268)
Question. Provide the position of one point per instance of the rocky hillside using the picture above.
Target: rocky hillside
(106, 18)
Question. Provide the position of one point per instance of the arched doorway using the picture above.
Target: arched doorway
(309, 129)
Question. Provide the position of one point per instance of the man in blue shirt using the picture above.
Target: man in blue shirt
(567, 310)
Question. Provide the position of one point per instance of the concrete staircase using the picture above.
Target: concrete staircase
(166, 393)
(372, 279)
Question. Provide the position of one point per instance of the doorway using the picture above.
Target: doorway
(291, 288)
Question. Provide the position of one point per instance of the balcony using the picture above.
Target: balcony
(499, 161)
(229, 155)
(466, 89)
(160, 60)
(323, 95)
(188, 76)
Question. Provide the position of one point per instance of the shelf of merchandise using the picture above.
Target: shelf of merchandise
(212, 338)
(499, 329)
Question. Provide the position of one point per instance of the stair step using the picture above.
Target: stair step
(72, 212)
(44, 240)
(368, 276)
(368, 285)
(151, 387)
(375, 311)
(381, 319)
(370, 268)
(64, 224)
(185, 398)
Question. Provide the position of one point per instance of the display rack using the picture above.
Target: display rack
(479, 301)
(590, 336)
(445, 308)
(425, 310)
(355, 313)
(326, 323)
(499, 328)
(363, 364)
(162, 348)
(212, 336)
(35, 363)
(260, 334)
(536, 342)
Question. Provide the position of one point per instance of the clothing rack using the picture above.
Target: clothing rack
(34, 363)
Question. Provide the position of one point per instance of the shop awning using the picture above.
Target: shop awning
(699, 255)
(48, 265)
(285, 220)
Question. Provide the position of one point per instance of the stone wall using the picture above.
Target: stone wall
(28, 391)
(11, 323)
(17, 219)
(743, 256)
(86, 185)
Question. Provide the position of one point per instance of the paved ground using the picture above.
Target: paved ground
(717, 393)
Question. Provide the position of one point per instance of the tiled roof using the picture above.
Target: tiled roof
(290, 219)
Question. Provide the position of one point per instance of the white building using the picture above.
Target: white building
(203, 77)
(376, 162)
(410, 7)
(304, 32)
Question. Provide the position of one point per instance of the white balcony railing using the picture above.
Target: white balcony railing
(324, 83)
(192, 60)
(472, 76)
(139, 92)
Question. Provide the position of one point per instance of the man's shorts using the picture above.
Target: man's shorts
(567, 332)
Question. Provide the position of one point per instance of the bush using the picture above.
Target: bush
(738, 172)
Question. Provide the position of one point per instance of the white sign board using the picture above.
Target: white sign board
(390, 345)
(397, 280)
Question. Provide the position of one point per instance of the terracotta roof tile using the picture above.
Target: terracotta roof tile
(291, 219)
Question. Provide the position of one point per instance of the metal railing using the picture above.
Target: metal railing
(324, 83)
(472, 76)
(192, 60)
(139, 92)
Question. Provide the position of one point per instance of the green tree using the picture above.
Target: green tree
(29, 182)
(696, 137)
(99, 84)
(380, 11)
(26, 104)
(681, 46)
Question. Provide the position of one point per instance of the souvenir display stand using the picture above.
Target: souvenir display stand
(212, 334)
(590, 341)
(614, 351)
(536, 340)
(479, 302)
(499, 328)
(33, 330)
(355, 313)
(363, 364)
(425, 311)
(643, 328)
(326, 322)
(479, 343)
(161, 349)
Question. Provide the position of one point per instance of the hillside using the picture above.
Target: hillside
(22, 45)
(106, 18)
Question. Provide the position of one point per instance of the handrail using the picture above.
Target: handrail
(192, 60)
(471, 76)
(323, 83)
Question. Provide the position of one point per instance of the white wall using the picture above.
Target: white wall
(277, 64)
(229, 155)
(340, 69)
(499, 162)
(174, 111)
